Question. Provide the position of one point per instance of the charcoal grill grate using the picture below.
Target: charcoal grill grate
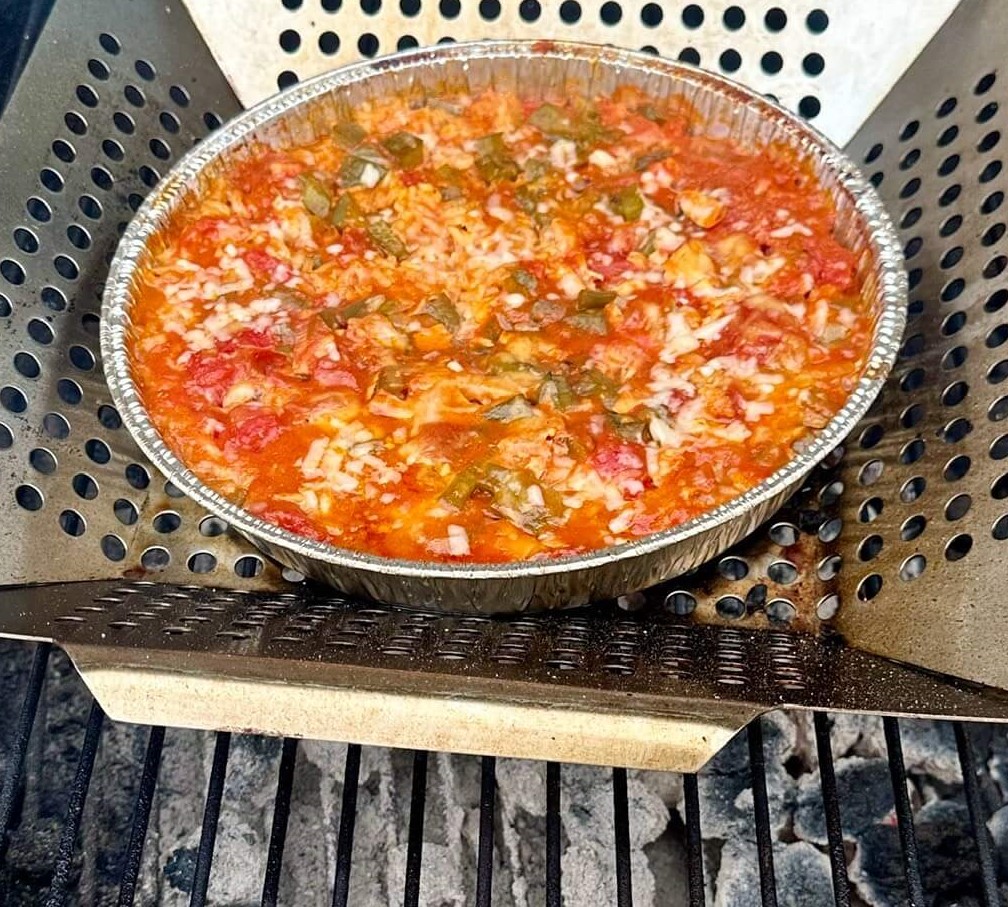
(62, 875)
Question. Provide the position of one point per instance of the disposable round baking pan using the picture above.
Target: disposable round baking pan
(533, 69)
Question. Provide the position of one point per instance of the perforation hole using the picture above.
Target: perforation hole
(954, 358)
(948, 165)
(955, 393)
(990, 171)
(1000, 528)
(830, 530)
(72, 523)
(113, 547)
(912, 567)
(999, 448)
(529, 10)
(912, 451)
(992, 202)
(212, 526)
(248, 566)
(81, 357)
(912, 415)
(137, 476)
(951, 258)
(912, 381)
(784, 534)
(913, 489)
(733, 568)
(125, 512)
(956, 468)
(998, 372)
(85, 486)
(27, 365)
(950, 225)
(989, 141)
(202, 562)
(909, 130)
(998, 410)
(829, 567)
(999, 489)
(957, 507)
(42, 460)
(155, 558)
(75, 123)
(12, 272)
(730, 607)
(680, 602)
(949, 195)
(780, 611)
(6, 437)
(997, 336)
(953, 323)
(910, 217)
(783, 573)
(55, 426)
(869, 587)
(772, 63)
(956, 430)
(958, 547)
(97, 450)
(871, 472)
(871, 436)
(66, 267)
(909, 159)
(984, 84)
(13, 399)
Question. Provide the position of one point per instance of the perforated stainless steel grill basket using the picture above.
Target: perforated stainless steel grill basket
(537, 70)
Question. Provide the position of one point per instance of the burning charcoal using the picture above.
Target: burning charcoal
(803, 876)
(864, 789)
(947, 857)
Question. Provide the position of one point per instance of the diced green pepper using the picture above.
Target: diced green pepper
(536, 168)
(510, 488)
(462, 487)
(348, 134)
(511, 410)
(354, 170)
(495, 162)
(627, 203)
(553, 120)
(338, 318)
(383, 236)
(492, 145)
(648, 245)
(392, 380)
(522, 281)
(450, 180)
(593, 383)
(588, 300)
(440, 308)
(556, 390)
(345, 211)
(315, 196)
(629, 428)
(406, 148)
(495, 168)
(589, 322)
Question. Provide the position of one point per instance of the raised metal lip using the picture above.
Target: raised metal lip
(127, 263)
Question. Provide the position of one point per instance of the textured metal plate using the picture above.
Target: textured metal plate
(832, 60)
(695, 661)
(926, 511)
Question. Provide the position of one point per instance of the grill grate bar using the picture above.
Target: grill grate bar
(978, 819)
(281, 813)
(19, 746)
(761, 810)
(484, 858)
(141, 817)
(831, 809)
(414, 846)
(211, 813)
(904, 815)
(347, 821)
(694, 842)
(553, 888)
(59, 888)
(621, 823)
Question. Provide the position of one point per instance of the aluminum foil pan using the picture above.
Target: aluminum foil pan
(548, 69)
